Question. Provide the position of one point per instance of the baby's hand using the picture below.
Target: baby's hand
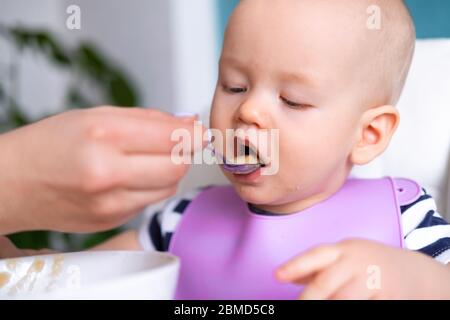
(361, 269)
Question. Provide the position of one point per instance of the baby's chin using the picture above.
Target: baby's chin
(270, 197)
(257, 194)
(261, 191)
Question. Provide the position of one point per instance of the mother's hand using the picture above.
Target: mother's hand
(87, 170)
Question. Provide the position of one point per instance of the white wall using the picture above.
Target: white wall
(195, 36)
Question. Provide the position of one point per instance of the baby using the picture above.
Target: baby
(328, 80)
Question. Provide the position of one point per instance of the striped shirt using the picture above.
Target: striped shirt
(424, 229)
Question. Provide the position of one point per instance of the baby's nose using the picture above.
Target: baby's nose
(252, 113)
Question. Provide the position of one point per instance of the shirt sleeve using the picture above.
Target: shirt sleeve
(158, 226)
(425, 230)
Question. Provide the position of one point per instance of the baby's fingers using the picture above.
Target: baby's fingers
(305, 265)
(328, 282)
(356, 289)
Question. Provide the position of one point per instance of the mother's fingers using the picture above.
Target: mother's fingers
(138, 200)
(157, 136)
(139, 112)
(127, 203)
(143, 172)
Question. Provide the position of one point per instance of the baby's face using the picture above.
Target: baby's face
(298, 74)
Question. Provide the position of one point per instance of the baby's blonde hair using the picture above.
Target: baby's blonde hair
(395, 42)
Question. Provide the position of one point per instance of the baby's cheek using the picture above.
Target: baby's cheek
(219, 117)
(298, 171)
(308, 161)
(214, 120)
(300, 153)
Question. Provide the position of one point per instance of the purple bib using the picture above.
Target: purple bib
(228, 252)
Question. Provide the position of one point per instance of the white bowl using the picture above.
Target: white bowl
(90, 275)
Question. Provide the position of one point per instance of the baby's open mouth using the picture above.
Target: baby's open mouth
(246, 159)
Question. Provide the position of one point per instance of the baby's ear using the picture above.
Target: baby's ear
(374, 134)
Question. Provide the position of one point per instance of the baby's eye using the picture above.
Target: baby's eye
(234, 89)
(292, 104)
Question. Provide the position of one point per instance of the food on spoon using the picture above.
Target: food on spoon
(243, 164)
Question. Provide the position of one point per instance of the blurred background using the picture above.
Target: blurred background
(158, 53)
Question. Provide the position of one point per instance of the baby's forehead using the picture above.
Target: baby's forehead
(305, 24)
(321, 12)
(295, 34)
(342, 36)
(352, 22)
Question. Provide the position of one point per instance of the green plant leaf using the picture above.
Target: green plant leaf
(91, 63)
(118, 89)
(31, 240)
(120, 92)
(21, 39)
(97, 238)
(41, 41)
(16, 116)
(75, 99)
(2, 93)
(54, 50)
